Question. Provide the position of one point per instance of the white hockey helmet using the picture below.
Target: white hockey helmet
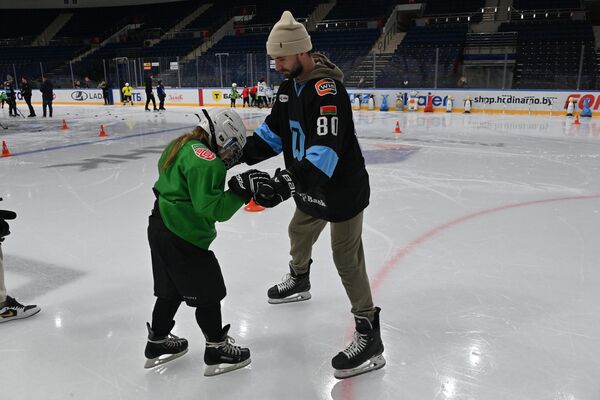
(227, 134)
(126, 83)
(234, 84)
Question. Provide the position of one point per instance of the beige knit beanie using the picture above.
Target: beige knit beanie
(288, 37)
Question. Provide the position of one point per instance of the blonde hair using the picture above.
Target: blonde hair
(173, 148)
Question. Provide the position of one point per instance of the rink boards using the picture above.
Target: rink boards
(483, 100)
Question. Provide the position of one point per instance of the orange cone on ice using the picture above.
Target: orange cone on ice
(397, 130)
(5, 151)
(65, 127)
(576, 122)
(102, 132)
(253, 207)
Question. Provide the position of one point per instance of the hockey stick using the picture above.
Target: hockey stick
(17, 108)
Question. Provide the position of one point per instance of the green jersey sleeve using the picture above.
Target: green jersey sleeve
(206, 185)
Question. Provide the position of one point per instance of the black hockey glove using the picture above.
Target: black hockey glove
(246, 183)
(277, 189)
(4, 228)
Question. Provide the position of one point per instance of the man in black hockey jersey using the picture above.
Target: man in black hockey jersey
(311, 123)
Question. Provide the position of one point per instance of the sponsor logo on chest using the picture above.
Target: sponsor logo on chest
(203, 152)
(325, 86)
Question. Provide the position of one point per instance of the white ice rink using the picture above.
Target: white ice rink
(482, 243)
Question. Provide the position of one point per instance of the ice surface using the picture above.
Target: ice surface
(481, 243)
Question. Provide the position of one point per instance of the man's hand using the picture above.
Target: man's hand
(277, 189)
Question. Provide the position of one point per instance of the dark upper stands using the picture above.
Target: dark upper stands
(546, 4)
(178, 46)
(548, 54)
(438, 7)
(414, 59)
(213, 18)
(102, 22)
(269, 12)
(19, 23)
(343, 48)
(360, 9)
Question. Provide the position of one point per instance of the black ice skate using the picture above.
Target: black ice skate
(364, 353)
(160, 350)
(223, 356)
(293, 287)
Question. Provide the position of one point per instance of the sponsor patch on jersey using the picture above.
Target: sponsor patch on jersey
(328, 110)
(283, 98)
(203, 152)
(325, 86)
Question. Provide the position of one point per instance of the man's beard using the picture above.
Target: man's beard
(295, 71)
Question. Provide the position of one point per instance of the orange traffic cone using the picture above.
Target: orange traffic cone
(5, 151)
(397, 129)
(65, 127)
(576, 122)
(253, 207)
(102, 131)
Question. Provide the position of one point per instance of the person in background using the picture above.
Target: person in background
(253, 96)
(104, 87)
(26, 93)
(233, 95)
(127, 91)
(3, 98)
(47, 90)
(11, 96)
(160, 91)
(269, 95)
(260, 93)
(149, 93)
(246, 96)
(10, 309)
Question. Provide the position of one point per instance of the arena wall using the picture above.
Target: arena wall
(484, 100)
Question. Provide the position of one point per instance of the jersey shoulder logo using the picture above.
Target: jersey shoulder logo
(325, 86)
(203, 152)
(283, 98)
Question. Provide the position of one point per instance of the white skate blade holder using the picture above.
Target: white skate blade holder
(373, 364)
(155, 362)
(218, 369)
(292, 298)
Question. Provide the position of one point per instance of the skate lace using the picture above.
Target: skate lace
(230, 348)
(172, 341)
(288, 282)
(358, 344)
